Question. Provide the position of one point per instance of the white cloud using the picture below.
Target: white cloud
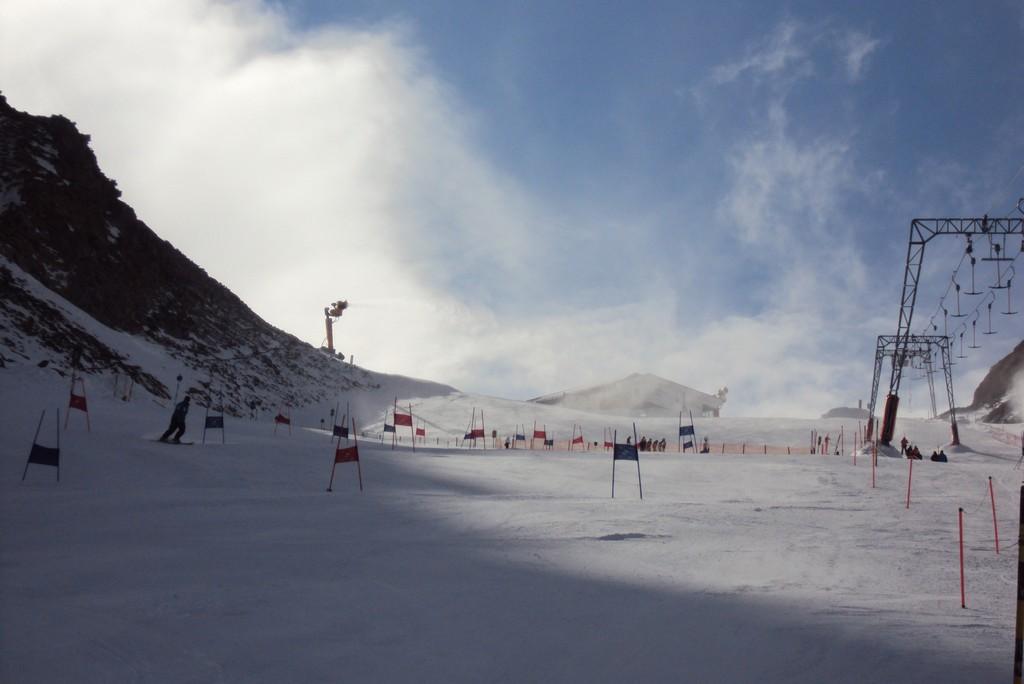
(299, 167)
(779, 51)
(295, 167)
(858, 48)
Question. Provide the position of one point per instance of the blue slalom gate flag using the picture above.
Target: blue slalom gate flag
(685, 430)
(549, 442)
(687, 444)
(214, 422)
(44, 455)
(41, 455)
(520, 438)
(625, 452)
(340, 431)
(389, 428)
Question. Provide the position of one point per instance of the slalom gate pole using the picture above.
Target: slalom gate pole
(56, 425)
(874, 463)
(34, 438)
(639, 481)
(963, 595)
(394, 432)
(1018, 641)
(359, 466)
(910, 478)
(616, 438)
(412, 429)
(693, 428)
(995, 524)
(331, 483)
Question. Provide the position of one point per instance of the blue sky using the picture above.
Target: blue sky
(522, 198)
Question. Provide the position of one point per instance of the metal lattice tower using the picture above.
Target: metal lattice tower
(922, 231)
(923, 347)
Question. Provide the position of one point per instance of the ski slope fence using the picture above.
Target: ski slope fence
(751, 448)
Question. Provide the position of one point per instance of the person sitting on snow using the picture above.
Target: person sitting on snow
(177, 422)
(940, 457)
(705, 448)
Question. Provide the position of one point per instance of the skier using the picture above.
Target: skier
(177, 422)
(903, 445)
(706, 448)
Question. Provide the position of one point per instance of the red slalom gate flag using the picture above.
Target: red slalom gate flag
(578, 439)
(420, 432)
(476, 433)
(608, 445)
(346, 454)
(539, 434)
(282, 419)
(77, 402)
(403, 419)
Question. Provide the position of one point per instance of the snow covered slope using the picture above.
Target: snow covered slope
(155, 563)
(641, 394)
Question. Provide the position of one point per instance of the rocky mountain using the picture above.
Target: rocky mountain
(640, 394)
(82, 276)
(999, 393)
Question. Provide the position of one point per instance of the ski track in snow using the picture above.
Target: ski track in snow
(231, 563)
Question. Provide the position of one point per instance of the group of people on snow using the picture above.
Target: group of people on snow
(914, 452)
(651, 444)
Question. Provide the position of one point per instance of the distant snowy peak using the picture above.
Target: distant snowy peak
(641, 394)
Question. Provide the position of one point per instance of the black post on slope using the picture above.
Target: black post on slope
(57, 425)
(639, 481)
(334, 460)
(614, 440)
(359, 465)
(206, 421)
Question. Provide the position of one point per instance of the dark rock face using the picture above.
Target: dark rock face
(994, 390)
(62, 222)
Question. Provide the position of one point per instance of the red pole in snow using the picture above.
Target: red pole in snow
(1018, 635)
(910, 477)
(995, 525)
(963, 595)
